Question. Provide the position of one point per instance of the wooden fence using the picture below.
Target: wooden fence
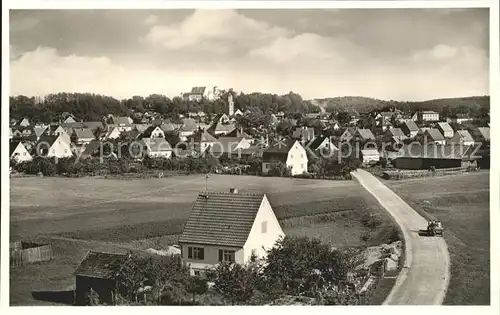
(28, 253)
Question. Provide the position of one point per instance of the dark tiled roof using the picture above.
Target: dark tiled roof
(397, 132)
(317, 142)
(101, 265)
(83, 133)
(121, 120)
(91, 148)
(366, 134)
(411, 125)
(435, 134)
(221, 219)
(465, 135)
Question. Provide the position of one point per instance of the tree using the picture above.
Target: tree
(343, 118)
(236, 283)
(301, 264)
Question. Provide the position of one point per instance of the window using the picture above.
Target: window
(301, 156)
(302, 165)
(196, 253)
(226, 255)
(291, 156)
(263, 226)
(65, 150)
(197, 273)
(24, 153)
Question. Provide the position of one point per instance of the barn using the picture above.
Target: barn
(418, 157)
(98, 272)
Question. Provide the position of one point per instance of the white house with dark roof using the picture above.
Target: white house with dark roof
(410, 128)
(430, 136)
(157, 147)
(82, 136)
(57, 130)
(290, 153)
(19, 152)
(462, 137)
(228, 227)
(53, 146)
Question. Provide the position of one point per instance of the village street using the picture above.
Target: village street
(425, 274)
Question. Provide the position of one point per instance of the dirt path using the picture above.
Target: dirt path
(425, 274)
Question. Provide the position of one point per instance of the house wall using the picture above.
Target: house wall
(371, 158)
(60, 149)
(164, 154)
(20, 154)
(457, 139)
(267, 166)
(211, 256)
(115, 134)
(259, 240)
(157, 133)
(105, 288)
(297, 159)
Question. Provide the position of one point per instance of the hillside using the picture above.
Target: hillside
(364, 104)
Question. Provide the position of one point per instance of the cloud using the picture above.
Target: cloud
(438, 52)
(151, 19)
(304, 46)
(211, 29)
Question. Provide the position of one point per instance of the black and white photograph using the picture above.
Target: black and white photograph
(237, 156)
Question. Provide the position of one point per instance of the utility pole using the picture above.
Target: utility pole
(206, 183)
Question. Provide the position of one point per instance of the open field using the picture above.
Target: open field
(114, 215)
(461, 202)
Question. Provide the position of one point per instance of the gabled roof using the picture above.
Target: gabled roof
(397, 132)
(101, 265)
(428, 112)
(13, 146)
(147, 133)
(445, 127)
(121, 120)
(168, 127)
(434, 134)
(237, 133)
(411, 125)
(485, 132)
(366, 134)
(83, 133)
(435, 151)
(141, 128)
(91, 148)
(465, 135)
(207, 137)
(225, 144)
(225, 128)
(157, 144)
(39, 130)
(198, 90)
(223, 219)
(318, 141)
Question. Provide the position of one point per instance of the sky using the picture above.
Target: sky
(399, 54)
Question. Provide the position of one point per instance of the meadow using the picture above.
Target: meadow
(79, 214)
(461, 202)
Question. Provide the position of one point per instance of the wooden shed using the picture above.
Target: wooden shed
(98, 272)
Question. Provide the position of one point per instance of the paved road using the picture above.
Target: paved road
(425, 274)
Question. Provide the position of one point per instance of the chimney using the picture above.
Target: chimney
(233, 190)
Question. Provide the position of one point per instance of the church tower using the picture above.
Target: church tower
(231, 104)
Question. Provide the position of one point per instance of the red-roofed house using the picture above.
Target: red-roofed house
(228, 227)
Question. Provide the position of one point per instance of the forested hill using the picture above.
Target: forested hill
(365, 104)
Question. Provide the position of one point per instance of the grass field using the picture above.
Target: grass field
(461, 202)
(112, 215)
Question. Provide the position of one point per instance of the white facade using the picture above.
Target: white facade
(159, 154)
(20, 154)
(114, 133)
(60, 149)
(297, 159)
